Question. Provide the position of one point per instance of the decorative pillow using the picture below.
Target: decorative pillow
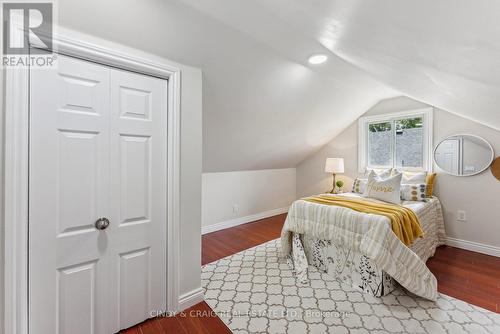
(359, 186)
(381, 173)
(387, 190)
(412, 177)
(430, 184)
(414, 192)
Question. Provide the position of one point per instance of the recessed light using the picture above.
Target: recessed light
(317, 59)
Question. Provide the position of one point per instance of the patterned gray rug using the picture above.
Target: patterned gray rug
(255, 292)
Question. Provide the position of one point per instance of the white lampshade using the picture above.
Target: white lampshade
(334, 165)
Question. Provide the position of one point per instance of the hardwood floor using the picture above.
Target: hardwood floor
(468, 276)
(199, 319)
(216, 245)
(465, 275)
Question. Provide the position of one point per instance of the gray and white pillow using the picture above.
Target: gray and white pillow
(381, 173)
(414, 192)
(387, 190)
(414, 178)
(359, 186)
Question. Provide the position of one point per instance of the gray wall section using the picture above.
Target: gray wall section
(409, 148)
(380, 148)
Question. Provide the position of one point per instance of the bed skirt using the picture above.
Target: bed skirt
(345, 265)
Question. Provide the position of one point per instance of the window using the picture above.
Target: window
(401, 140)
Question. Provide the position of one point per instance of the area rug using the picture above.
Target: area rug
(255, 291)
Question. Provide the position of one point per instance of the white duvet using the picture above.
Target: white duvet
(371, 235)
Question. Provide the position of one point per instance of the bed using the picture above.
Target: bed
(360, 249)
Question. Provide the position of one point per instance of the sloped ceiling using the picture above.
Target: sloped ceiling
(445, 53)
(263, 105)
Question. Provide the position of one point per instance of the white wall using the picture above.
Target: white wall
(311, 178)
(190, 183)
(477, 195)
(257, 194)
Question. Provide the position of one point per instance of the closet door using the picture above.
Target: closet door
(138, 204)
(97, 211)
(68, 192)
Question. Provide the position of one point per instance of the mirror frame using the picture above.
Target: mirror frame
(464, 134)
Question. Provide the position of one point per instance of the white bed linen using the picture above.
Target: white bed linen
(430, 215)
(371, 236)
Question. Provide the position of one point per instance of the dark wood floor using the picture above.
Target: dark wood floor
(468, 276)
(215, 246)
(465, 275)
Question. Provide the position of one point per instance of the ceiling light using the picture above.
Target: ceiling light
(317, 59)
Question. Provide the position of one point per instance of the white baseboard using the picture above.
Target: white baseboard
(242, 220)
(191, 298)
(473, 246)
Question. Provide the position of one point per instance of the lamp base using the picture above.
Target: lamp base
(333, 191)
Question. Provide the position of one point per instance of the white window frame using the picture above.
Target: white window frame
(428, 127)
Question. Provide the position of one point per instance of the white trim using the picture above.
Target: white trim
(461, 152)
(191, 298)
(242, 220)
(16, 202)
(428, 114)
(16, 172)
(473, 246)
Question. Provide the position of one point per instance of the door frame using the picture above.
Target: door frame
(16, 163)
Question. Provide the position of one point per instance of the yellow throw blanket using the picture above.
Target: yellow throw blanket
(404, 221)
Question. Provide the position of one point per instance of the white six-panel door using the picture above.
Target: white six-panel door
(97, 149)
(447, 155)
(138, 204)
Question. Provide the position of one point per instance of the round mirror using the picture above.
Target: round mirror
(463, 155)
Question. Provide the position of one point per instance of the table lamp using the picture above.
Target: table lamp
(334, 166)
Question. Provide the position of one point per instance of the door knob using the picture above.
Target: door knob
(102, 223)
